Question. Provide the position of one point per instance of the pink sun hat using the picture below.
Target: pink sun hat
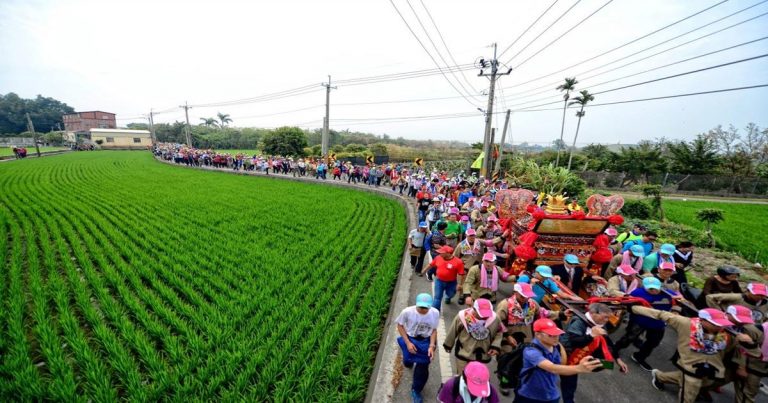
(477, 377)
(715, 317)
(742, 314)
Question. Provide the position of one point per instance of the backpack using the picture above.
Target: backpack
(510, 366)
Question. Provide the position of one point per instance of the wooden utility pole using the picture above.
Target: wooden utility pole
(494, 66)
(186, 129)
(31, 128)
(326, 121)
(503, 139)
(152, 125)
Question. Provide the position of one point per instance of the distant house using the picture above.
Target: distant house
(77, 125)
(84, 121)
(121, 138)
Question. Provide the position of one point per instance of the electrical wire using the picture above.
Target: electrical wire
(428, 53)
(641, 72)
(543, 32)
(527, 29)
(654, 98)
(279, 113)
(645, 49)
(665, 78)
(447, 49)
(563, 34)
(440, 55)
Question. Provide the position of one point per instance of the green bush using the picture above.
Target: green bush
(636, 209)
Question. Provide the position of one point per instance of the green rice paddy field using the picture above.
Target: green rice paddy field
(127, 279)
(742, 231)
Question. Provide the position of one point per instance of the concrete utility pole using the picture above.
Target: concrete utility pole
(186, 129)
(494, 65)
(31, 128)
(152, 125)
(326, 121)
(501, 145)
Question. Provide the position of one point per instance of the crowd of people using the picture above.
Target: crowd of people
(463, 250)
(400, 177)
(540, 351)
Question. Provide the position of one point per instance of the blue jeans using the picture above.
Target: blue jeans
(443, 287)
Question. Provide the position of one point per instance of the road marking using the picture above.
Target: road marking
(446, 369)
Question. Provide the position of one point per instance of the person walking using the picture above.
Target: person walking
(587, 337)
(543, 364)
(653, 329)
(474, 335)
(471, 386)
(725, 280)
(482, 281)
(701, 345)
(417, 326)
(447, 270)
(416, 241)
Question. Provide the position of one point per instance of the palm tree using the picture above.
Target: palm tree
(568, 86)
(223, 119)
(209, 122)
(584, 98)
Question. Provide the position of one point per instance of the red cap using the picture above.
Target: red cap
(547, 326)
(445, 249)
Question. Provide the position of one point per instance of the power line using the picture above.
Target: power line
(428, 53)
(279, 113)
(654, 98)
(563, 34)
(644, 71)
(543, 32)
(648, 48)
(664, 78)
(440, 55)
(447, 49)
(527, 29)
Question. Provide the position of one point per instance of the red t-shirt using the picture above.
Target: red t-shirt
(448, 269)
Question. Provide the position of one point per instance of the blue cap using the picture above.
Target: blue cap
(545, 271)
(667, 249)
(424, 300)
(571, 259)
(423, 224)
(651, 283)
(637, 250)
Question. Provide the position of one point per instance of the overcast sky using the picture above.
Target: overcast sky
(129, 56)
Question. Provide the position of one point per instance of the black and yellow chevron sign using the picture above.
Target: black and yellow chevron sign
(369, 159)
(419, 162)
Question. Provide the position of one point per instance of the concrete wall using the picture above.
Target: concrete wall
(17, 141)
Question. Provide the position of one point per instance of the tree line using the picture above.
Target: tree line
(46, 114)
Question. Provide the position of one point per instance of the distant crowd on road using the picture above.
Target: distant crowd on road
(406, 180)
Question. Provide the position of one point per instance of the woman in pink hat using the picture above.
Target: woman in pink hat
(701, 346)
(482, 281)
(472, 386)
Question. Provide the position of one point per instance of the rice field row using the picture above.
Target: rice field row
(126, 279)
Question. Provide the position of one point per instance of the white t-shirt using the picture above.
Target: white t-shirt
(417, 238)
(416, 324)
